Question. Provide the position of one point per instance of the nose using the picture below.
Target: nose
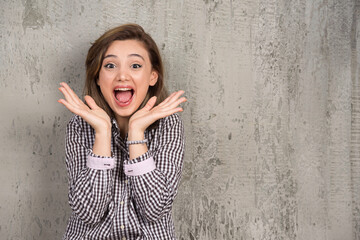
(123, 74)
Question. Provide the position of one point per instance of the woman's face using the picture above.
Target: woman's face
(125, 76)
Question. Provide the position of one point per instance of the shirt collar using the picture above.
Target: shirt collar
(115, 127)
(114, 123)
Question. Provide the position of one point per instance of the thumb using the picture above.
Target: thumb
(150, 104)
(91, 102)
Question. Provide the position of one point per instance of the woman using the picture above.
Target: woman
(125, 148)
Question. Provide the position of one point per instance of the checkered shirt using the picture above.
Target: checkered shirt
(106, 203)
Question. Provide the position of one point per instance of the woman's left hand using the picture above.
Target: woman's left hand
(146, 116)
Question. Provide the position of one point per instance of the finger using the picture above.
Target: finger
(69, 106)
(65, 90)
(177, 103)
(168, 112)
(67, 96)
(91, 102)
(150, 104)
(173, 98)
(176, 95)
(167, 99)
(72, 94)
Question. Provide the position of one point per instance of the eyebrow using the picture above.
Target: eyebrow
(136, 55)
(110, 55)
(130, 55)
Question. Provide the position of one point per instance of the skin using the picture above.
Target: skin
(126, 63)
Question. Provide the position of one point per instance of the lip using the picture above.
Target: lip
(120, 104)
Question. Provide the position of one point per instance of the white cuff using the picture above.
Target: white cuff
(139, 168)
(100, 163)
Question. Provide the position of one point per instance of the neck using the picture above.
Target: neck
(123, 124)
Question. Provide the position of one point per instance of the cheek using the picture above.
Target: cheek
(143, 93)
(103, 80)
(105, 88)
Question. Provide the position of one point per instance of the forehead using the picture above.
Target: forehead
(124, 48)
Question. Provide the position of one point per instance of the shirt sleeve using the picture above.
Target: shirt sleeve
(155, 190)
(90, 176)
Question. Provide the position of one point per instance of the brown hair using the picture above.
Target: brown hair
(96, 55)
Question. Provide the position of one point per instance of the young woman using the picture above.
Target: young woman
(125, 148)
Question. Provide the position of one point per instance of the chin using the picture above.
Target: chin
(124, 113)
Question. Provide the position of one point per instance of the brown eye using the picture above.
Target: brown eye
(109, 65)
(135, 65)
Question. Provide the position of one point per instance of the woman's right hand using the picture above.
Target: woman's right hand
(91, 113)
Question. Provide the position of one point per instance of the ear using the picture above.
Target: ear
(153, 78)
(97, 81)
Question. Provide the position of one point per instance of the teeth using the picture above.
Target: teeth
(123, 89)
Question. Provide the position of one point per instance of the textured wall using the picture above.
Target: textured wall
(272, 121)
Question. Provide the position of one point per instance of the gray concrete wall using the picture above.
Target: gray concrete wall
(272, 121)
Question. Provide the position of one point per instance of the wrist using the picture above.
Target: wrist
(135, 135)
(102, 144)
(103, 135)
(103, 131)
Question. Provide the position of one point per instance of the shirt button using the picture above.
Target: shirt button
(123, 238)
(126, 181)
(122, 227)
(122, 203)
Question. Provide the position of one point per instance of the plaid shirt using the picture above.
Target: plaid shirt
(108, 203)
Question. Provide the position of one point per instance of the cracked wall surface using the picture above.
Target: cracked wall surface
(272, 119)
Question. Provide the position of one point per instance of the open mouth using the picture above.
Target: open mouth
(123, 95)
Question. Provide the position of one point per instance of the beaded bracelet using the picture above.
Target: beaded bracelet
(136, 142)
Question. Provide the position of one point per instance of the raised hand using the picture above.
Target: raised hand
(146, 116)
(91, 113)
